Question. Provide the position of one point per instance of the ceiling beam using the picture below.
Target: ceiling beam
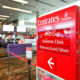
(44, 3)
(64, 1)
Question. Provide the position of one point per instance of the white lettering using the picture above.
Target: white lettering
(47, 41)
(53, 41)
(59, 42)
(63, 50)
(56, 49)
(48, 21)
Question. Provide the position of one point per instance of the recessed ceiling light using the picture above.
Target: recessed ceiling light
(4, 16)
(16, 9)
(21, 1)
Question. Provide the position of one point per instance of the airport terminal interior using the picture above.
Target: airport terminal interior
(18, 36)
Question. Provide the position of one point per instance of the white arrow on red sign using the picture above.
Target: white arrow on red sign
(50, 63)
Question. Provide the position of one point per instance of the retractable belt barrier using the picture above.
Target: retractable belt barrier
(25, 60)
(19, 49)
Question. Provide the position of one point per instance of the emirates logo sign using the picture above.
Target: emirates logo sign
(66, 16)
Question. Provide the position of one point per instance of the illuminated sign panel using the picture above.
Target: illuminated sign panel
(8, 28)
(56, 41)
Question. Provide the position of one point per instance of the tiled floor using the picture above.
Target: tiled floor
(3, 52)
(18, 69)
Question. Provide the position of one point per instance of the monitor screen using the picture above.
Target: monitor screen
(8, 28)
(21, 29)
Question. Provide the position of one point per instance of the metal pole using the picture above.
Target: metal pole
(29, 69)
(14, 37)
(8, 62)
(15, 34)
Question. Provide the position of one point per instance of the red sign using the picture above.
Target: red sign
(55, 37)
(56, 43)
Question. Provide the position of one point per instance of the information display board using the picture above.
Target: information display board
(8, 28)
(57, 44)
(21, 29)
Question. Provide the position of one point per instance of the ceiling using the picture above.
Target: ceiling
(41, 6)
(53, 4)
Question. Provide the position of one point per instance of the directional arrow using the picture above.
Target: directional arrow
(50, 63)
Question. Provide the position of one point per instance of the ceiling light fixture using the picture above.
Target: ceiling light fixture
(16, 9)
(21, 1)
(4, 16)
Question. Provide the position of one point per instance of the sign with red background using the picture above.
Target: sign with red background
(56, 43)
